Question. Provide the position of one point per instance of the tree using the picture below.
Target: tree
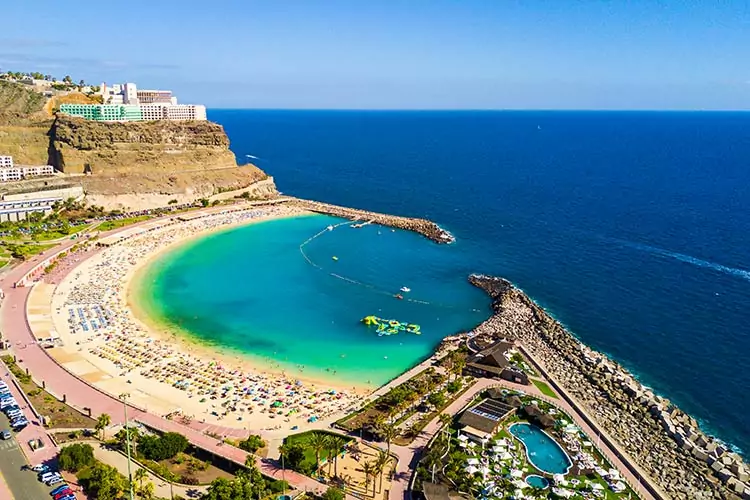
(317, 443)
(101, 423)
(75, 457)
(335, 445)
(68, 79)
(436, 399)
(294, 455)
(369, 470)
(445, 418)
(204, 202)
(81, 83)
(140, 475)
(146, 491)
(220, 489)
(389, 432)
(333, 493)
(252, 444)
(380, 464)
(104, 482)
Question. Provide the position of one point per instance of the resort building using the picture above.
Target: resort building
(128, 93)
(19, 210)
(134, 112)
(9, 172)
(482, 421)
(493, 362)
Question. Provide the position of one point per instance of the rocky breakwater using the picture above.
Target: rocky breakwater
(426, 228)
(664, 441)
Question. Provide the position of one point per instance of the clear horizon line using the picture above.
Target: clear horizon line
(487, 110)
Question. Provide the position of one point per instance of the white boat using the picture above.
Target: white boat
(405, 289)
(330, 228)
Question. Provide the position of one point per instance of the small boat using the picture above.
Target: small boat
(335, 258)
(330, 228)
(399, 296)
(405, 289)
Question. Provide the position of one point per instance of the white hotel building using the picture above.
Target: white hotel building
(8, 172)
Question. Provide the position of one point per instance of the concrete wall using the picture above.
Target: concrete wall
(64, 193)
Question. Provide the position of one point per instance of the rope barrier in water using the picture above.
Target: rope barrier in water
(372, 287)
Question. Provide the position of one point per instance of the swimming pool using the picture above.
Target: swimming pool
(541, 450)
(537, 482)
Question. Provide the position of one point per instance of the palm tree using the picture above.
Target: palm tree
(336, 443)
(369, 469)
(101, 423)
(140, 475)
(389, 432)
(380, 464)
(317, 443)
(147, 491)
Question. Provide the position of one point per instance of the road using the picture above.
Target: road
(23, 484)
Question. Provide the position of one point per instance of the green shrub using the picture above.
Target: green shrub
(188, 479)
(76, 456)
(252, 444)
(333, 494)
(163, 447)
(278, 486)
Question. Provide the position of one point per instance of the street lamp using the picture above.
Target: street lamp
(123, 397)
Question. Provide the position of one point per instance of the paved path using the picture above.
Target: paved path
(161, 487)
(79, 394)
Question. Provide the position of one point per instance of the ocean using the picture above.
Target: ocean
(631, 228)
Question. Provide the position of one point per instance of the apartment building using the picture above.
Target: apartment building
(8, 172)
(131, 112)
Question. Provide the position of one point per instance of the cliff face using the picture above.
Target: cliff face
(78, 146)
(134, 164)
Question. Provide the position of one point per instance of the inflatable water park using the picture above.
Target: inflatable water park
(390, 326)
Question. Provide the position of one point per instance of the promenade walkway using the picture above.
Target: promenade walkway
(81, 395)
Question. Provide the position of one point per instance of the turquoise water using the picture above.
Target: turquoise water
(250, 290)
(542, 451)
(537, 481)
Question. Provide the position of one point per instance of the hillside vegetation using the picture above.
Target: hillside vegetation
(19, 104)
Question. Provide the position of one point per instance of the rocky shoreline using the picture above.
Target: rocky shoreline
(426, 228)
(661, 439)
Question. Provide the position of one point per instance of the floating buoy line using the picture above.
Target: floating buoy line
(352, 281)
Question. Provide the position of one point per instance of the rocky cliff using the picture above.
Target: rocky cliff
(133, 164)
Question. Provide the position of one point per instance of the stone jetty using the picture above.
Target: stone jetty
(664, 441)
(426, 228)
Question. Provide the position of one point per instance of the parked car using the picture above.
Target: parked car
(40, 468)
(55, 480)
(64, 493)
(6, 434)
(59, 489)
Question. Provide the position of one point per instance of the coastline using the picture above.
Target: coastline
(663, 440)
(189, 342)
(123, 356)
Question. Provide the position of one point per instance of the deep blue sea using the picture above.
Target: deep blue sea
(633, 229)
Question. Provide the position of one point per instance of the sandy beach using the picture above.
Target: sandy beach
(111, 343)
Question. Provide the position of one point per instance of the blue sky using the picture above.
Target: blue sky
(423, 54)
